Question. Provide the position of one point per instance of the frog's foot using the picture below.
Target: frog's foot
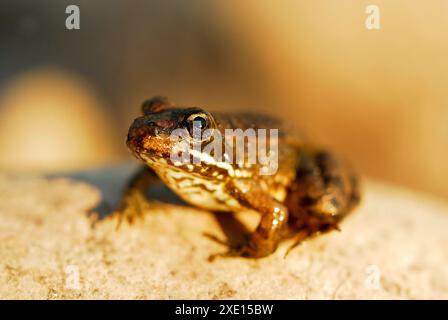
(233, 249)
(251, 248)
(217, 239)
(298, 239)
(132, 207)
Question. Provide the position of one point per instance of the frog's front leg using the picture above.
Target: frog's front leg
(274, 215)
(133, 200)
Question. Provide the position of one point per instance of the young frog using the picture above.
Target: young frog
(310, 191)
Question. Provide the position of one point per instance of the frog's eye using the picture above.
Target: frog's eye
(197, 123)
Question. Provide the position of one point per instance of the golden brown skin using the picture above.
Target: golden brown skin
(309, 193)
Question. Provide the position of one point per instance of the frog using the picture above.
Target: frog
(310, 192)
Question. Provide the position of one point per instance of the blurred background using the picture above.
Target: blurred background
(379, 97)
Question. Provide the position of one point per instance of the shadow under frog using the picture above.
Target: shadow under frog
(112, 180)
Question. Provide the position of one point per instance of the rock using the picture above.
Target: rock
(394, 246)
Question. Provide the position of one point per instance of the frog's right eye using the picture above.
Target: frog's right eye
(155, 104)
(197, 123)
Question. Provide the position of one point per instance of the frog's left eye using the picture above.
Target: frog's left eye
(197, 122)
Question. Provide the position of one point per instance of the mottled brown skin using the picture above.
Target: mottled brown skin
(311, 192)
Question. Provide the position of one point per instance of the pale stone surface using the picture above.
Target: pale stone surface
(396, 236)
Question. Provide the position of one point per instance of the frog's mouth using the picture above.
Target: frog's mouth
(146, 147)
(145, 138)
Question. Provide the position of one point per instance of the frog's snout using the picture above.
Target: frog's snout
(146, 135)
(142, 127)
(137, 133)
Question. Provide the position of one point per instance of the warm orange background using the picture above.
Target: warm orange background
(377, 96)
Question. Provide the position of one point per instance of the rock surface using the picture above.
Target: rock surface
(395, 245)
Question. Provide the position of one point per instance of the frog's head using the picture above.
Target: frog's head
(150, 136)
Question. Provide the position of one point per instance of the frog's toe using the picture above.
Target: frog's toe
(246, 250)
(132, 208)
(217, 239)
(238, 249)
(230, 253)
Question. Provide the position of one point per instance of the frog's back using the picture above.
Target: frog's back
(247, 120)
